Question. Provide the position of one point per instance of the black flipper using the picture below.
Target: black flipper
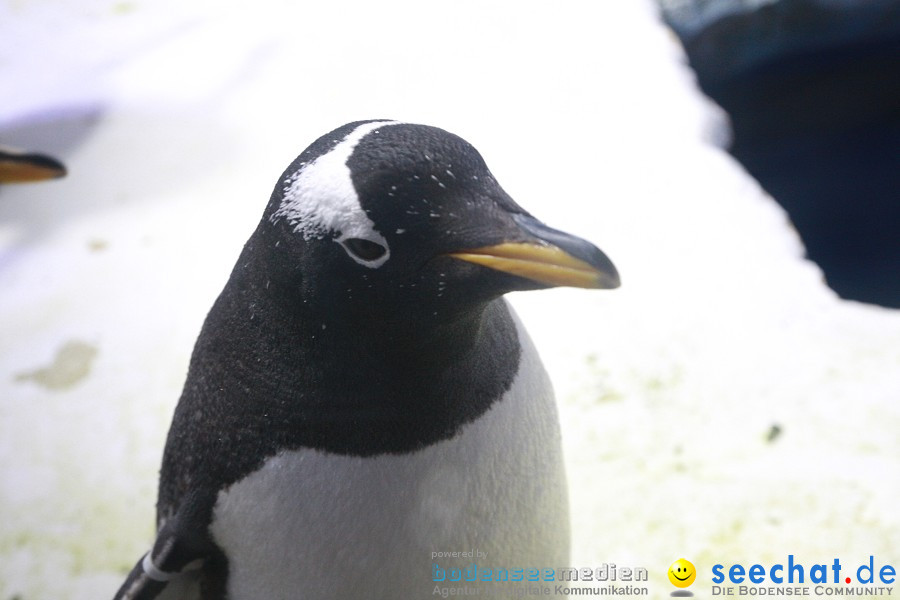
(140, 585)
(181, 554)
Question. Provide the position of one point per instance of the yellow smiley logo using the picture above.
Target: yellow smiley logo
(682, 573)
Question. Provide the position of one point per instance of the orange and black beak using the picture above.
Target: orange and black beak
(546, 256)
(23, 167)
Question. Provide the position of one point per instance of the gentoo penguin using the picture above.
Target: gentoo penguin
(364, 415)
(24, 167)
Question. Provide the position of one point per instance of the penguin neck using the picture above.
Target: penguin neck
(409, 339)
(350, 387)
(412, 343)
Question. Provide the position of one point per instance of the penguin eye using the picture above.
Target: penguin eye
(362, 250)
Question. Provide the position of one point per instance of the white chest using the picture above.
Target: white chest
(325, 526)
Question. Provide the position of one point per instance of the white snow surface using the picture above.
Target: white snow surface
(723, 405)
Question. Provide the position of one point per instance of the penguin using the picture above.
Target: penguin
(364, 416)
(17, 166)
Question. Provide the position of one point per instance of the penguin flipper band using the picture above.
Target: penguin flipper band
(172, 565)
(147, 581)
(153, 572)
(141, 585)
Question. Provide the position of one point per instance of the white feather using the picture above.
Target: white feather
(319, 198)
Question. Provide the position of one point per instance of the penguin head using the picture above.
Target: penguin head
(396, 220)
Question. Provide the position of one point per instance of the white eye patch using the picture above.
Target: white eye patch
(319, 200)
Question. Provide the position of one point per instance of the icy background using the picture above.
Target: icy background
(723, 405)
